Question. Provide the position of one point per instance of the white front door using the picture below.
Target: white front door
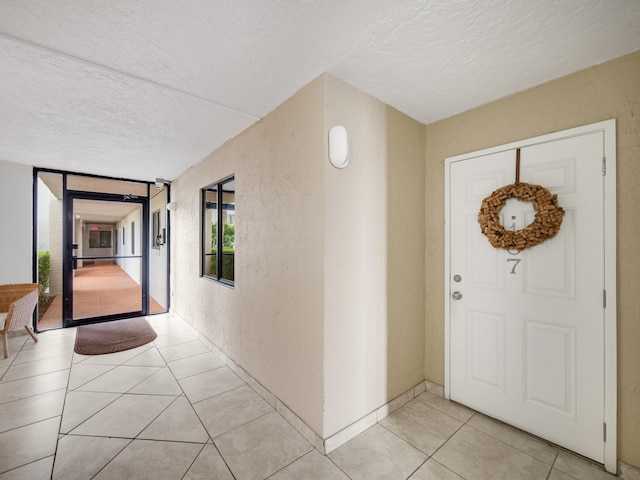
(526, 330)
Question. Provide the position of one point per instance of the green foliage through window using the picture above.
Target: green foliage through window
(44, 270)
(218, 231)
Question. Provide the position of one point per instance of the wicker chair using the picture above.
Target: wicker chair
(17, 302)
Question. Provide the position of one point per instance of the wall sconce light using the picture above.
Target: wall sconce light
(172, 206)
(338, 146)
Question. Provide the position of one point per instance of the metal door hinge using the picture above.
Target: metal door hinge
(604, 432)
(604, 299)
(604, 166)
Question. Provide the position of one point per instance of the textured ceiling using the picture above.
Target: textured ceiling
(147, 88)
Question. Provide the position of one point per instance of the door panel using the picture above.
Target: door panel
(526, 336)
(107, 277)
(486, 350)
(550, 367)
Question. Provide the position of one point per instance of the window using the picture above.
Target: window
(218, 231)
(133, 238)
(99, 239)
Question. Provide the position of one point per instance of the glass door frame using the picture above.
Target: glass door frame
(68, 257)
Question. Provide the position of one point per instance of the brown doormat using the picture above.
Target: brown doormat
(115, 336)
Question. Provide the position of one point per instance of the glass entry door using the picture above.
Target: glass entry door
(107, 253)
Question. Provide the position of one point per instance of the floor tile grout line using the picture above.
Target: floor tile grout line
(408, 442)
(70, 432)
(243, 425)
(173, 344)
(551, 468)
(29, 424)
(445, 442)
(123, 394)
(244, 384)
(30, 395)
(94, 378)
(517, 432)
(222, 393)
(64, 403)
(418, 468)
(339, 467)
(202, 373)
(22, 399)
(224, 460)
(580, 458)
(45, 359)
(474, 413)
(157, 416)
(195, 459)
(158, 440)
(114, 457)
(191, 404)
(188, 356)
(29, 463)
(31, 376)
(291, 463)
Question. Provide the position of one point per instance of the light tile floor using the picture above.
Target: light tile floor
(173, 410)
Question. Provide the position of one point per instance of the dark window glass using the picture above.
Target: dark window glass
(99, 239)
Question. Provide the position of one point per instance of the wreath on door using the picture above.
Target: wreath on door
(546, 224)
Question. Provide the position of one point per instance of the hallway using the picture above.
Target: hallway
(172, 409)
(99, 288)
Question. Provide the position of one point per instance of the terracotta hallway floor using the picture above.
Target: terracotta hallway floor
(99, 289)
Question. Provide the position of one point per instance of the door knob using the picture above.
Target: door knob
(456, 295)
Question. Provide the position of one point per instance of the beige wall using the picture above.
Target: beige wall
(327, 308)
(610, 90)
(271, 322)
(374, 237)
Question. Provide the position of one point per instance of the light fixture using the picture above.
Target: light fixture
(161, 182)
(171, 206)
(338, 146)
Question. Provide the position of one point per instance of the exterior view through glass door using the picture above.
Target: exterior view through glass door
(108, 258)
(101, 246)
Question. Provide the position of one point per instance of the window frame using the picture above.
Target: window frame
(103, 237)
(204, 257)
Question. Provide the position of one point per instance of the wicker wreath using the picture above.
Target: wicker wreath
(546, 224)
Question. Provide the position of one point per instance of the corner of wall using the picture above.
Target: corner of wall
(374, 244)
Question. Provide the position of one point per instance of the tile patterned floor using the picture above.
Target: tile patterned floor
(173, 410)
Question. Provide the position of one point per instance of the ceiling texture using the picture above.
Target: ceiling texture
(147, 88)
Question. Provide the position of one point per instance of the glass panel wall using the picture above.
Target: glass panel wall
(102, 246)
(158, 251)
(49, 248)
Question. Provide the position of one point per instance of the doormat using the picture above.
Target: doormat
(115, 336)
